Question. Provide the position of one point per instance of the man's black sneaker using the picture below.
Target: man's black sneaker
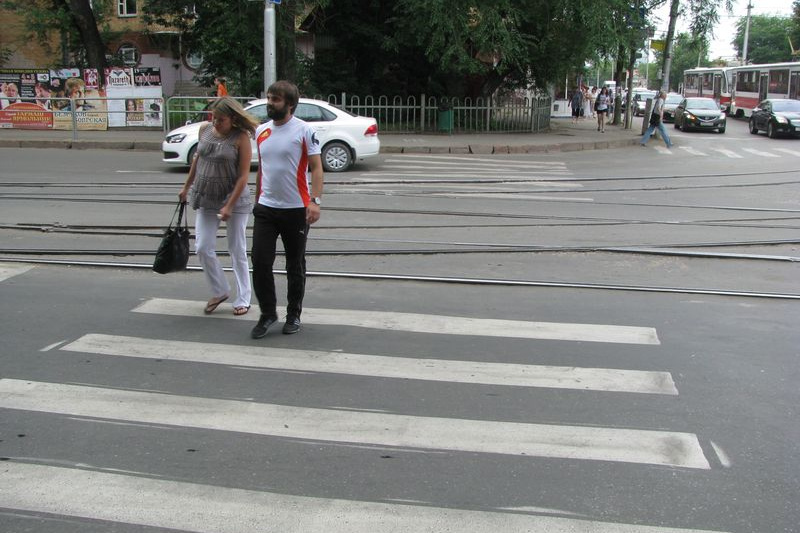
(260, 329)
(292, 325)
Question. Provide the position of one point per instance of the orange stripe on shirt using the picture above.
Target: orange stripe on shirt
(261, 137)
(302, 177)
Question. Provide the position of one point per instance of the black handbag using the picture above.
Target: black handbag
(655, 119)
(173, 252)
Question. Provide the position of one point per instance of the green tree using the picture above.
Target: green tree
(688, 52)
(228, 35)
(81, 27)
(767, 41)
(457, 47)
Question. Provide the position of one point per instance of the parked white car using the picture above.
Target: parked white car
(345, 138)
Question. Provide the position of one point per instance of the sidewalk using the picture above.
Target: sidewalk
(563, 136)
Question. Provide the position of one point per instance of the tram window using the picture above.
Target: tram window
(779, 81)
(747, 82)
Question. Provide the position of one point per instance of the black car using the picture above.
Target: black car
(777, 117)
(700, 113)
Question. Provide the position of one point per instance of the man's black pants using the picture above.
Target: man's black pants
(291, 225)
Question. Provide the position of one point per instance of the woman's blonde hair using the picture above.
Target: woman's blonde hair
(240, 118)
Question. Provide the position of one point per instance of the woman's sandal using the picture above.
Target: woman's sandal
(213, 303)
(241, 310)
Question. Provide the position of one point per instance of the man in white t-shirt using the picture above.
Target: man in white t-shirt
(286, 204)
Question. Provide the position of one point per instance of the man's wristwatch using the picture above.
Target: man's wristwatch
(317, 200)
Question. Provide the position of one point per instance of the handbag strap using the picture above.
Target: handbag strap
(178, 211)
(183, 215)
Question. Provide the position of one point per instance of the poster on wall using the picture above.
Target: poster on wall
(135, 97)
(119, 87)
(25, 99)
(69, 89)
(43, 99)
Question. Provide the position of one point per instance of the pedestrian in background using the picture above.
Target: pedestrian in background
(576, 103)
(222, 90)
(601, 107)
(657, 121)
(588, 103)
(217, 189)
(286, 205)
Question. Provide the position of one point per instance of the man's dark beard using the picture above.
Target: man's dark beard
(277, 114)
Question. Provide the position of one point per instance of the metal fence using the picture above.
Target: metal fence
(428, 114)
(396, 114)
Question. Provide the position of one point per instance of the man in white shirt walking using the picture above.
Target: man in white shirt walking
(286, 204)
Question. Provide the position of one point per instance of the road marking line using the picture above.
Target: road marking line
(723, 457)
(759, 152)
(729, 153)
(434, 433)
(466, 160)
(517, 375)
(444, 325)
(787, 151)
(9, 270)
(191, 507)
(692, 151)
(507, 196)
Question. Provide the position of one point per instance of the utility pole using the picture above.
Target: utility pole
(746, 34)
(269, 43)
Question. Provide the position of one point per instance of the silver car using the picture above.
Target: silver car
(345, 138)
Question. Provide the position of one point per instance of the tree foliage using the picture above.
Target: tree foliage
(767, 41)
(81, 30)
(458, 47)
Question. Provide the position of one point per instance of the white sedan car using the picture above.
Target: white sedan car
(345, 137)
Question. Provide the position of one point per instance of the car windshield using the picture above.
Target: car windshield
(674, 99)
(701, 103)
(786, 105)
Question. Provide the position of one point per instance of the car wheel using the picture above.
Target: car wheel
(753, 127)
(721, 130)
(771, 133)
(336, 157)
(189, 157)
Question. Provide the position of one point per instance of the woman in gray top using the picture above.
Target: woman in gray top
(217, 189)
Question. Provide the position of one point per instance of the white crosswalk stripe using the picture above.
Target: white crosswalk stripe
(508, 438)
(9, 270)
(210, 509)
(759, 153)
(795, 153)
(445, 325)
(693, 151)
(728, 153)
(518, 375)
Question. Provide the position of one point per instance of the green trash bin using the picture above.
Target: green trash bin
(446, 120)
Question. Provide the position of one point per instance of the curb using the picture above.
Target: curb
(482, 149)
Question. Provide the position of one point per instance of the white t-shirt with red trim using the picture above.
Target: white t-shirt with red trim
(283, 153)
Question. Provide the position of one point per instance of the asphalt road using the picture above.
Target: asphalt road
(600, 341)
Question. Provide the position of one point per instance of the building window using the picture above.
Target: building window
(130, 54)
(126, 8)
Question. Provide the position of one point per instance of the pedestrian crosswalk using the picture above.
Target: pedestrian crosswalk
(60, 488)
(209, 509)
(744, 152)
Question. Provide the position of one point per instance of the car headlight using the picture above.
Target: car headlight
(690, 116)
(177, 138)
(722, 116)
(781, 120)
